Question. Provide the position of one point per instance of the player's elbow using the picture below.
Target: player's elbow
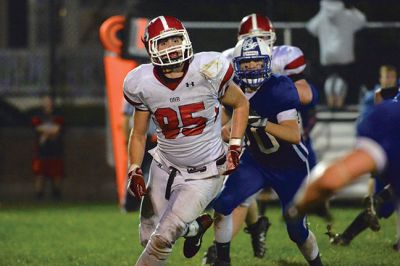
(244, 103)
(296, 138)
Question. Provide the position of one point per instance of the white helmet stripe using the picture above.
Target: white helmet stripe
(164, 22)
(254, 21)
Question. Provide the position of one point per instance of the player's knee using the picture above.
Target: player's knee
(171, 227)
(298, 233)
(224, 205)
(159, 247)
(160, 242)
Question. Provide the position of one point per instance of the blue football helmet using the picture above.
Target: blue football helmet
(252, 49)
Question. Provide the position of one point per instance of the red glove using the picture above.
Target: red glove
(136, 186)
(233, 156)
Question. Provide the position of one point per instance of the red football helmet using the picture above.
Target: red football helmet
(163, 27)
(256, 25)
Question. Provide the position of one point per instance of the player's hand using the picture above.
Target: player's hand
(257, 121)
(136, 186)
(232, 158)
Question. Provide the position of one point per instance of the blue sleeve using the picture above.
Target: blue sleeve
(315, 95)
(382, 125)
(287, 96)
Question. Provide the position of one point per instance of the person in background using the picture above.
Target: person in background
(48, 159)
(388, 84)
(335, 26)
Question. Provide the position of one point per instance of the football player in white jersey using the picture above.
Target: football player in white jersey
(286, 60)
(182, 92)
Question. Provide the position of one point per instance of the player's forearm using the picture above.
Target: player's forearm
(286, 133)
(136, 148)
(239, 119)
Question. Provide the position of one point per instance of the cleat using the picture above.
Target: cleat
(258, 233)
(210, 256)
(336, 239)
(396, 246)
(371, 218)
(193, 243)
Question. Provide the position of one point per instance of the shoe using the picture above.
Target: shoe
(371, 218)
(396, 246)
(336, 239)
(221, 263)
(258, 233)
(193, 243)
(210, 256)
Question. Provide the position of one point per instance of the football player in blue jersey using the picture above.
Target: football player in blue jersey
(377, 150)
(381, 203)
(274, 156)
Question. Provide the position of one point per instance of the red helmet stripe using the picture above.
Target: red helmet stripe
(164, 22)
(228, 76)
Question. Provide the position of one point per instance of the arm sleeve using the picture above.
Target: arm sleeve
(374, 150)
(296, 61)
(219, 71)
(290, 98)
(132, 93)
(290, 114)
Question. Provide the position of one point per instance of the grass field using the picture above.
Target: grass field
(99, 234)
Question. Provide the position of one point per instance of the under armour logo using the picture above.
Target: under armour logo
(188, 84)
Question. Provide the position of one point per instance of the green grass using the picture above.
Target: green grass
(99, 234)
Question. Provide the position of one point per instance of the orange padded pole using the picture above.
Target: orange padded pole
(116, 69)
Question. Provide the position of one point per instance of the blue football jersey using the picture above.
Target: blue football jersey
(382, 126)
(276, 95)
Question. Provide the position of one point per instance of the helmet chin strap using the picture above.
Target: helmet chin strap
(178, 67)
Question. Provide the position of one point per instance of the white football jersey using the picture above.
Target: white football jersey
(286, 60)
(187, 117)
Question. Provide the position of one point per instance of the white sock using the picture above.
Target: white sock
(223, 228)
(309, 248)
(191, 229)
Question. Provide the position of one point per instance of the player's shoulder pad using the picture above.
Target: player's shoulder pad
(228, 53)
(283, 80)
(290, 52)
(137, 75)
(213, 64)
(285, 86)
